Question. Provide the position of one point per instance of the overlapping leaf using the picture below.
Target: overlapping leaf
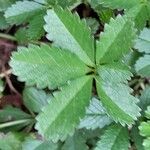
(68, 31)
(114, 138)
(117, 4)
(122, 33)
(96, 116)
(143, 45)
(115, 94)
(22, 11)
(145, 130)
(35, 99)
(62, 115)
(5, 3)
(46, 66)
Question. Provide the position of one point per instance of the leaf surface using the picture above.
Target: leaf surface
(67, 31)
(63, 113)
(114, 138)
(22, 11)
(46, 66)
(96, 116)
(115, 94)
(122, 34)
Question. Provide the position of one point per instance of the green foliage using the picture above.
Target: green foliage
(122, 35)
(47, 66)
(111, 86)
(77, 37)
(35, 99)
(31, 143)
(58, 125)
(78, 81)
(143, 45)
(10, 141)
(114, 138)
(22, 11)
(145, 130)
(96, 116)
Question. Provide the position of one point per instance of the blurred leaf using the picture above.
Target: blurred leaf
(34, 99)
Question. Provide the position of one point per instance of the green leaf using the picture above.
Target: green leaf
(76, 142)
(21, 36)
(22, 11)
(96, 116)
(145, 130)
(63, 114)
(67, 31)
(145, 99)
(11, 113)
(118, 4)
(46, 66)
(122, 36)
(35, 30)
(10, 141)
(143, 41)
(137, 138)
(3, 23)
(34, 99)
(115, 94)
(114, 138)
(139, 14)
(64, 3)
(34, 144)
(5, 3)
(142, 66)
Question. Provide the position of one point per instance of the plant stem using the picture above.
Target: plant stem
(7, 36)
(12, 123)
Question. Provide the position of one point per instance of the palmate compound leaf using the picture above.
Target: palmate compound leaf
(63, 113)
(46, 66)
(96, 116)
(122, 33)
(22, 11)
(115, 94)
(67, 31)
(115, 138)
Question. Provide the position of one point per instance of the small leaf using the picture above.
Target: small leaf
(96, 116)
(76, 142)
(3, 23)
(35, 30)
(10, 141)
(143, 41)
(34, 99)
(117, 4)
(10, 113)
(142, 66)
(22, 11)
(67, 31)
(114, 138)
(46, 66)
(63, 114)
(31, 143)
